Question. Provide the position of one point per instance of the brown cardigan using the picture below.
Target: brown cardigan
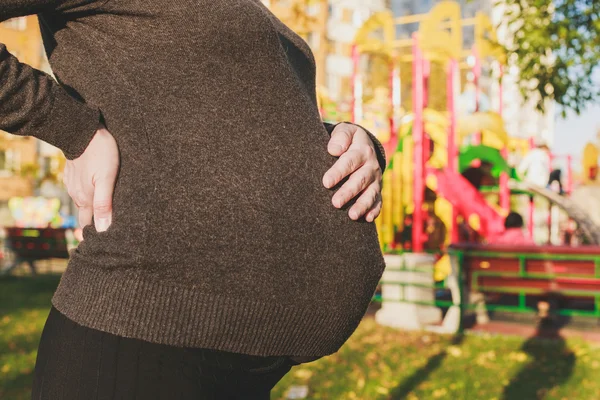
(223, 235)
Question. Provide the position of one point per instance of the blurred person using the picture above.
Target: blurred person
(513, 232)
(555, 176)
(535, 166)
(222, 220)
(480, 175)
(555, 179)
(435, 231)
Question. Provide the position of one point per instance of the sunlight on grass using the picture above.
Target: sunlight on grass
(382, 363)
(376, 363)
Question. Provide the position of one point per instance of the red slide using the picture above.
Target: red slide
(467, 200)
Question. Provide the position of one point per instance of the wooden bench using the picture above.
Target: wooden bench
(29, 245)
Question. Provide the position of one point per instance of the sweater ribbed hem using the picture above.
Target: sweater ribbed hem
(127, 304)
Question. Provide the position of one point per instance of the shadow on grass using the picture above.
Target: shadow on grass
(422, 374)
(552, 362)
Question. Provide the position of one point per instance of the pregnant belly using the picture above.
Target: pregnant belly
(240, 211)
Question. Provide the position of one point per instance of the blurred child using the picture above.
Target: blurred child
(513, 232)
(535, 166)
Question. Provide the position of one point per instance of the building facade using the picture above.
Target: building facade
(346, 17)
(22, 38)
(25, 161)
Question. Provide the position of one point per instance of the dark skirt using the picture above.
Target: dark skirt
(75, 362)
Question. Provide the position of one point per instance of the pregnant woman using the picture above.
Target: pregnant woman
(228, 232)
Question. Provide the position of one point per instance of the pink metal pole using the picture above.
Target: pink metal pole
(476, 78)
(418, 136)
(550, 223)
(392, 98)
(549, 220)
(452, 145)
(355, 65)
(426, 75)
(531, 203)
(426, 138)
(531, 212)
(504, 190)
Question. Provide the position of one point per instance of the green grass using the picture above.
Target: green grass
(376, 363)
(24, 307)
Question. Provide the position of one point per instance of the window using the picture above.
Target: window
(347, 15)
(335, 12)
(313, 9)
(6, 162)
(329, 46)
(19, 23)
(313, 40)
(357, 19)
(3, 166)
(334, 85)
(15, 164)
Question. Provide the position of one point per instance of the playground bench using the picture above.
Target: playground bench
(533, 272)
(29, 245)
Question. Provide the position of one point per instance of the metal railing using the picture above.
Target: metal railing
(520, 280)
(518, 276)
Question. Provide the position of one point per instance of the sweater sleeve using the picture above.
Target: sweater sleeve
(32, 103)
(379, 150)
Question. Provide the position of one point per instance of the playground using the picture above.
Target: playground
(455, 174)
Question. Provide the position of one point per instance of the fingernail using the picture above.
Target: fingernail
(102, 224)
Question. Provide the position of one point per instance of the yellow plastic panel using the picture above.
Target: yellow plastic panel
(435, 39)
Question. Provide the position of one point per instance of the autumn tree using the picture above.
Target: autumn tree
(556, 46)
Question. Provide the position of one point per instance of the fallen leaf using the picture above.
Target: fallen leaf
(382, 390)
(454, 351)
(517, 356)
(303, 373)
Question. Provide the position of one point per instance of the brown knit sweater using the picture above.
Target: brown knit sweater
(223, 235)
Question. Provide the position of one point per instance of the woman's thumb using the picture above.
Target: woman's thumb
(103, 192)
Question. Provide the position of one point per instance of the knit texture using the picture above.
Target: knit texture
(223, 235)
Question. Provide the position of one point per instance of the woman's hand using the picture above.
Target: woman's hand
(90, 180)
(357, 158)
